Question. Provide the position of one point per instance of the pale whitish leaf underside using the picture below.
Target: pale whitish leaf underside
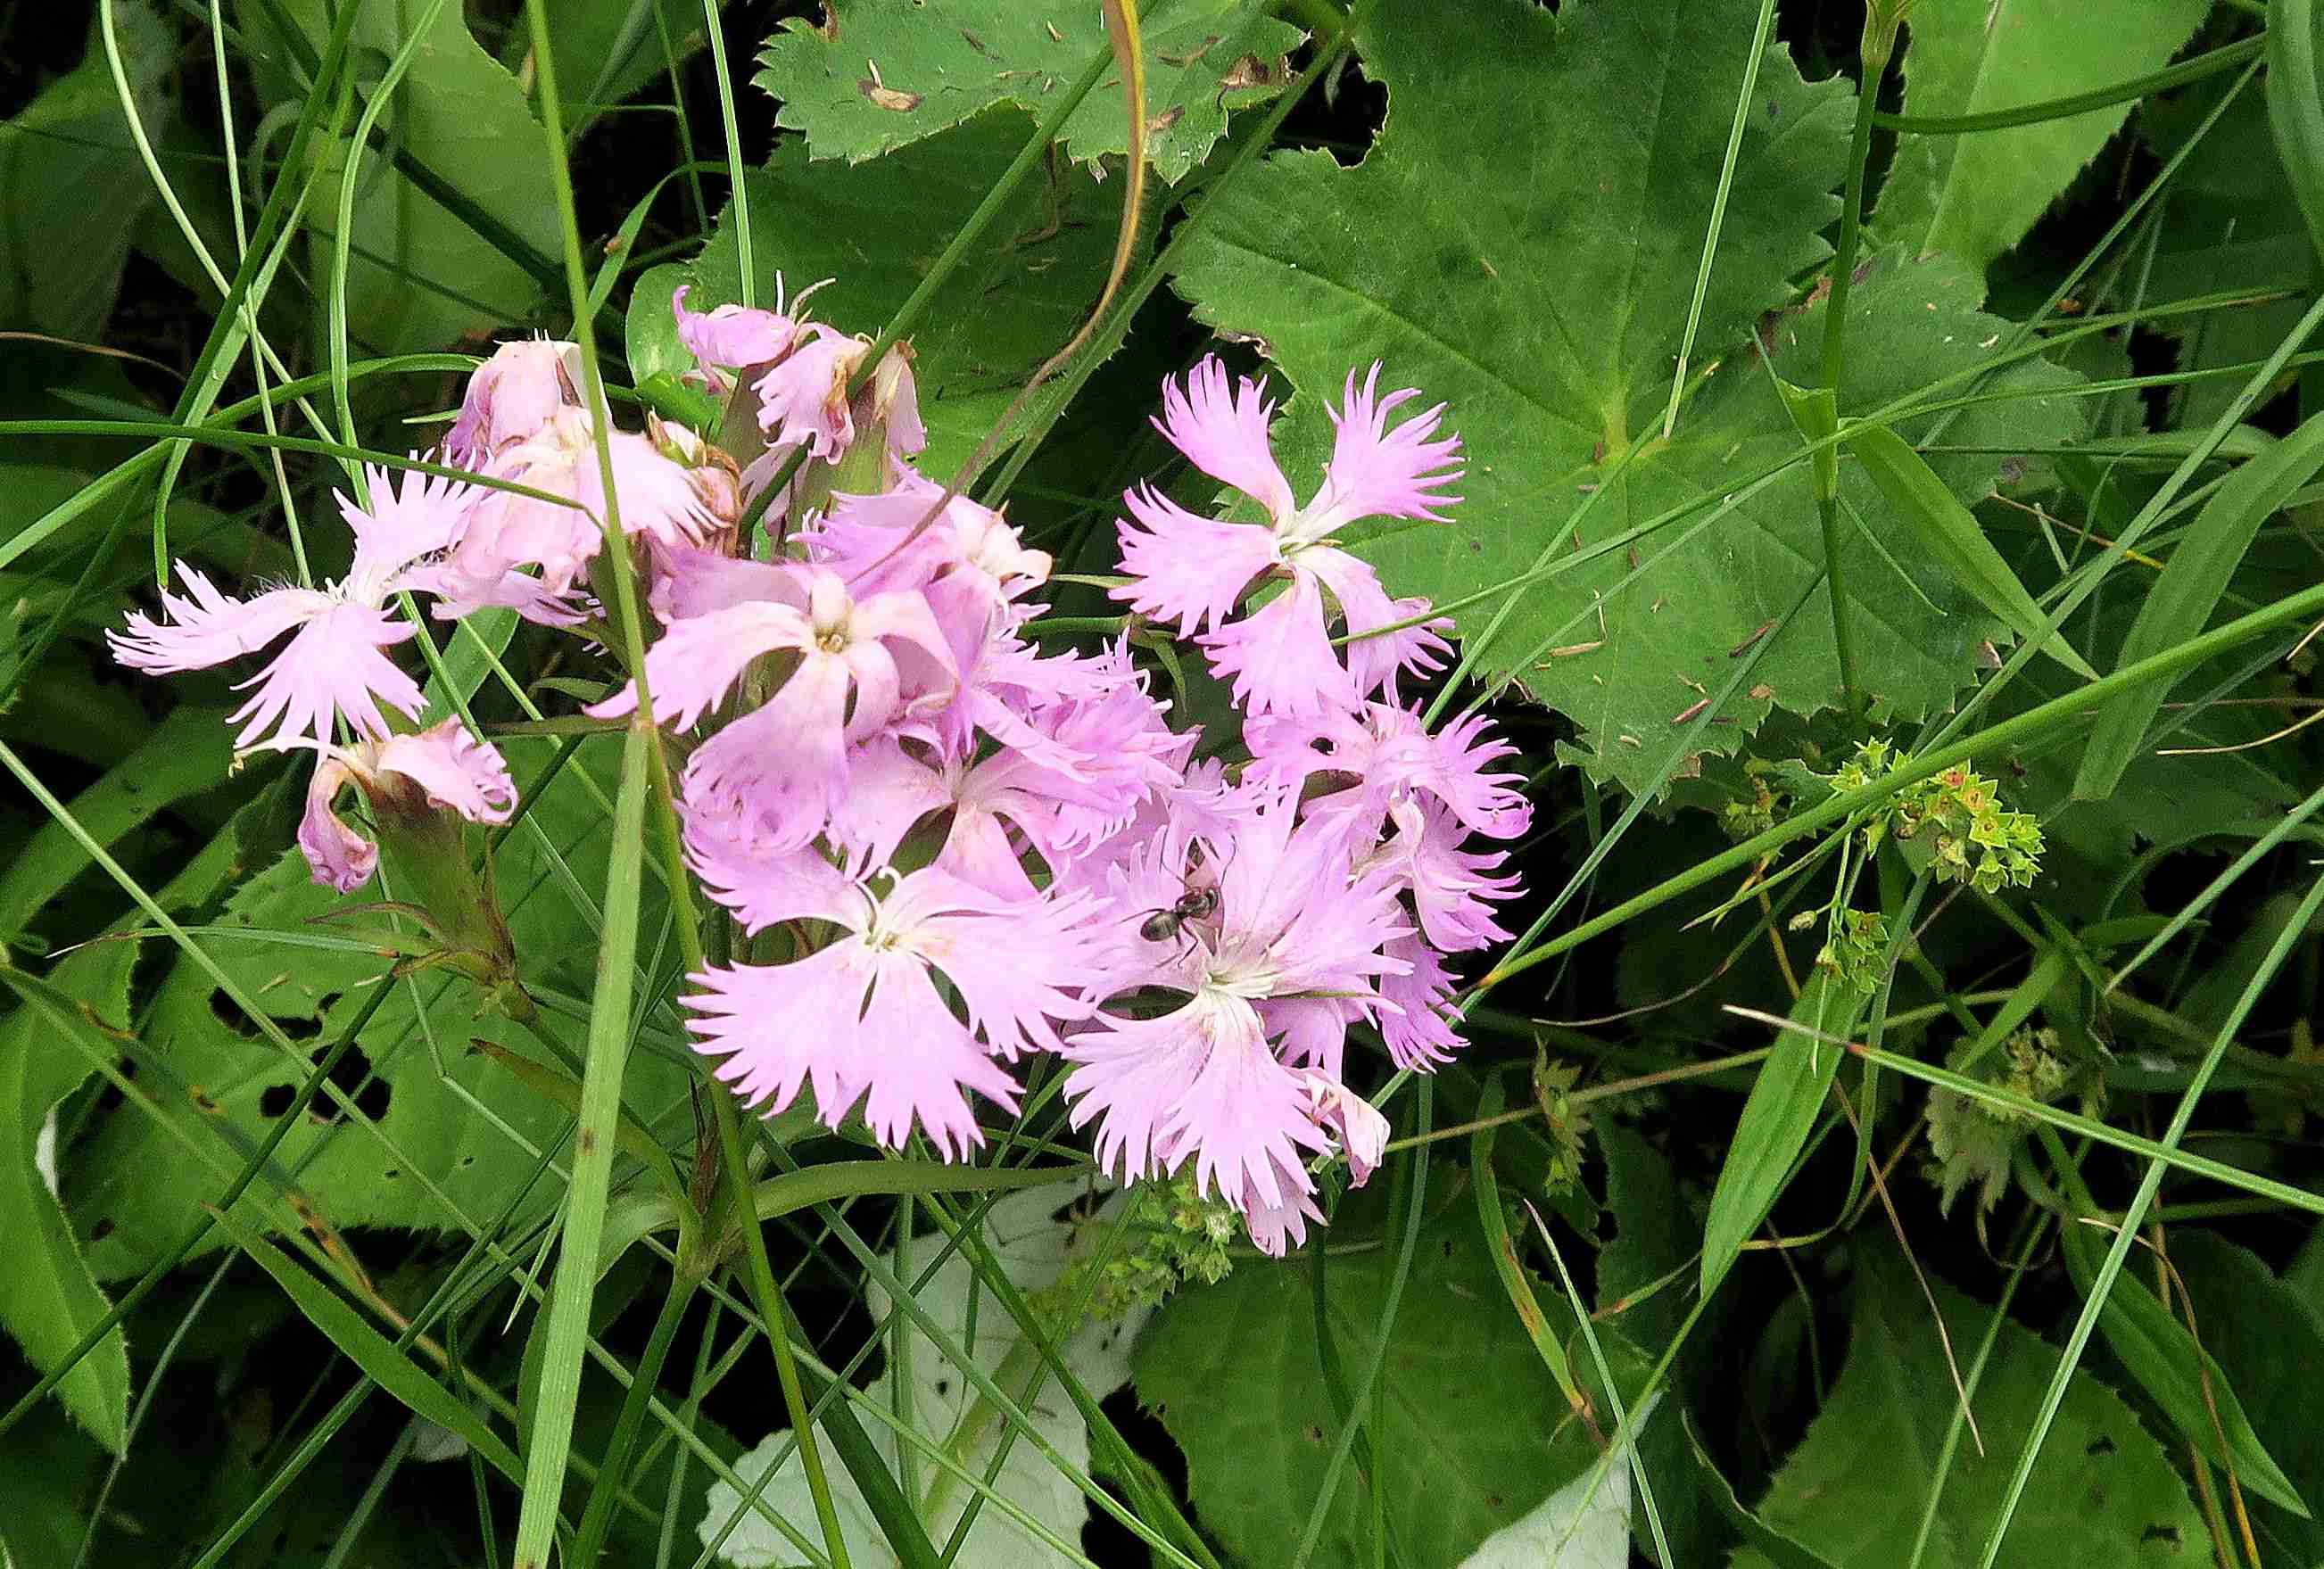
(1522, 242)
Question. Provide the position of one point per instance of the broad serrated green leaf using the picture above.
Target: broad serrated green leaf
(2269, 1336)
(130, 1194)
(1775, 1124)
(877, 74)
(419, 277)
(2188, 592)
(874, 230)
(48, 1299)
(71, 185)
(1522, 241)
(1974, 196)
(2103, 1492)
(1469, 1430)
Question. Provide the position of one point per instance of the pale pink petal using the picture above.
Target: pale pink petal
(1274, 1226)
(337, 855)
(1420, 1035)
(1376, 660)
(1279, 659)
(1363, 1131)
(458, 772)
(1224, 433)
(730, 337)
(1183, 570)
(785, 764)
(784, 1028)
(922, 1064)
(889, 792)
(1016, 964)
(1376, 472)
(803, 401)
(1310, 1032)
(1240, 1114)
(204, 627)
(696, 662)
(1449, 886)
(332, 669)
(512, 395)
(690, 581)
(411, 516)
(756, 878)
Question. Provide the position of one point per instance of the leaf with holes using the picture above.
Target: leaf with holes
(1596, 136)
(450, 1149)
(2103, 1490)
(1469, 1428)
(1974, 196)
(877, 74)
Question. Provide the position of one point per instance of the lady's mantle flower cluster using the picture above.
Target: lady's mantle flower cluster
(947, 850)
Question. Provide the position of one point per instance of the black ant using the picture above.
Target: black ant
(1193, 904)
(1160, 926)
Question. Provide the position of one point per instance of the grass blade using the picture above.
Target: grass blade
(565, 1327)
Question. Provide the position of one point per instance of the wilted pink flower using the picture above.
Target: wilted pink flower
(512, 395)
(1202, 1081)
(1194, 571)
(443, 767)
(658, 497)
(786, 761)
(731, 338)
(1363, 1131)
(333, 668)
(867, 1015)
(803, 400)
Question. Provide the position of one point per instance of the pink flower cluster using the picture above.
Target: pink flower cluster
(945, 849)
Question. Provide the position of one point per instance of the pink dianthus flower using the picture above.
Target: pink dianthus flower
(334, 668)
(866, 1018)
(1194, 571)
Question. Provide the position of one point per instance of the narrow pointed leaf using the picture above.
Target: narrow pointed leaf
(1952, 531)
(370, 1349)
(2193, 581)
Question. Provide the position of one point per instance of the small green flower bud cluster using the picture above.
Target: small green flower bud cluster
(1173, 1234)
(1857, 945)
(1971, 838)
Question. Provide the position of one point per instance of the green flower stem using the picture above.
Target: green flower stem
(768, 1297)
(567, 1322)
(1877, 44)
